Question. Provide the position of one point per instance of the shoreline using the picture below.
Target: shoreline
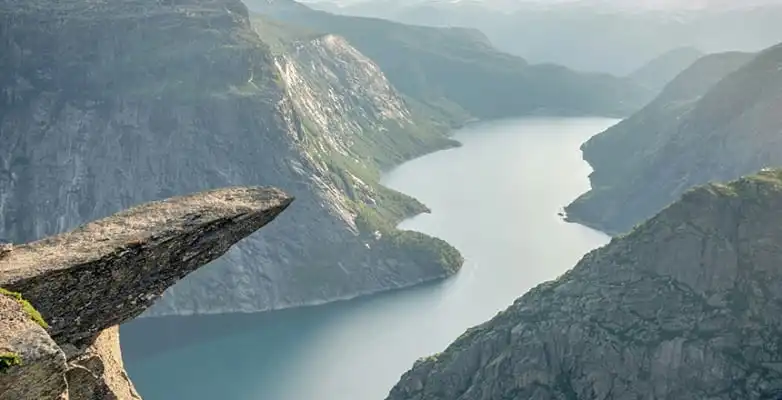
(411, 285)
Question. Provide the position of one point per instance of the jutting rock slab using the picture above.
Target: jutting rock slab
(86, 282)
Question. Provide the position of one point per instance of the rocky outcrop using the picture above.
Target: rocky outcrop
(109, 104)
(716, 121)
(687, 306)
(87, 281)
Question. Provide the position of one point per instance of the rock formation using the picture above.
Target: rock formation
(686, 306)
(86, 282)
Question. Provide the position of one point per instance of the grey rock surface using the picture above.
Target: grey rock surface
(98, 372)
(686, 306)
(86, 282)
(109, 271)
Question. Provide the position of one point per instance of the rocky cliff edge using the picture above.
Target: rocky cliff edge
(64, 296)
(687, 306)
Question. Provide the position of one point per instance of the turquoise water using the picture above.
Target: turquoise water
(496, 199)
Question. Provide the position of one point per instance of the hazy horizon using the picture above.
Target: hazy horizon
(622, 4)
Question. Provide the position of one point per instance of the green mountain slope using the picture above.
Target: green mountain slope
(717, 121)
(687, 306)
(455, 69)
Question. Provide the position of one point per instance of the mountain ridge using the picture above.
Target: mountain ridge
(577, 34)
(661, 70)
(454, 69)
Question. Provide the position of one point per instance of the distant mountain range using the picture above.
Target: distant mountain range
(456, 71)
(662, 69)
(513, 5)
(606, 36)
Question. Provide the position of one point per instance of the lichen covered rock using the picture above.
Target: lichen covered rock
(32, 366)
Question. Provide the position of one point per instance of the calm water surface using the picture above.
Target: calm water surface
(496, 199)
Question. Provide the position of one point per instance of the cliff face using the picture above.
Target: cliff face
(687, 306)
(64, 342)
(109, 104)
(715, 121)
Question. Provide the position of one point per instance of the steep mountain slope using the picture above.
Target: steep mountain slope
(662, 69)
(110, 104)
(684, 139)
(687, 306)
(457, 70)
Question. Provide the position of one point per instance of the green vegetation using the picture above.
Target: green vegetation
(372, 145)
(9, 360)
(422, 249)
(27, 307)
(459, 69)
(390, 207)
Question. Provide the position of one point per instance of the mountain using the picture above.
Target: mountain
(687, 306)
(716, 121)
(662, 69)
(457, 71)
(616, 37)
(133, 101)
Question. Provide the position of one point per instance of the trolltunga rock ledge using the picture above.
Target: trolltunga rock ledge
(109, 271)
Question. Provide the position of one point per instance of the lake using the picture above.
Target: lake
(496, 199)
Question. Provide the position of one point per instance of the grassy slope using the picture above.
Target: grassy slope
(377, 150)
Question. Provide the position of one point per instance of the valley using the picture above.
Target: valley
(511, 241)
(207, 199)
